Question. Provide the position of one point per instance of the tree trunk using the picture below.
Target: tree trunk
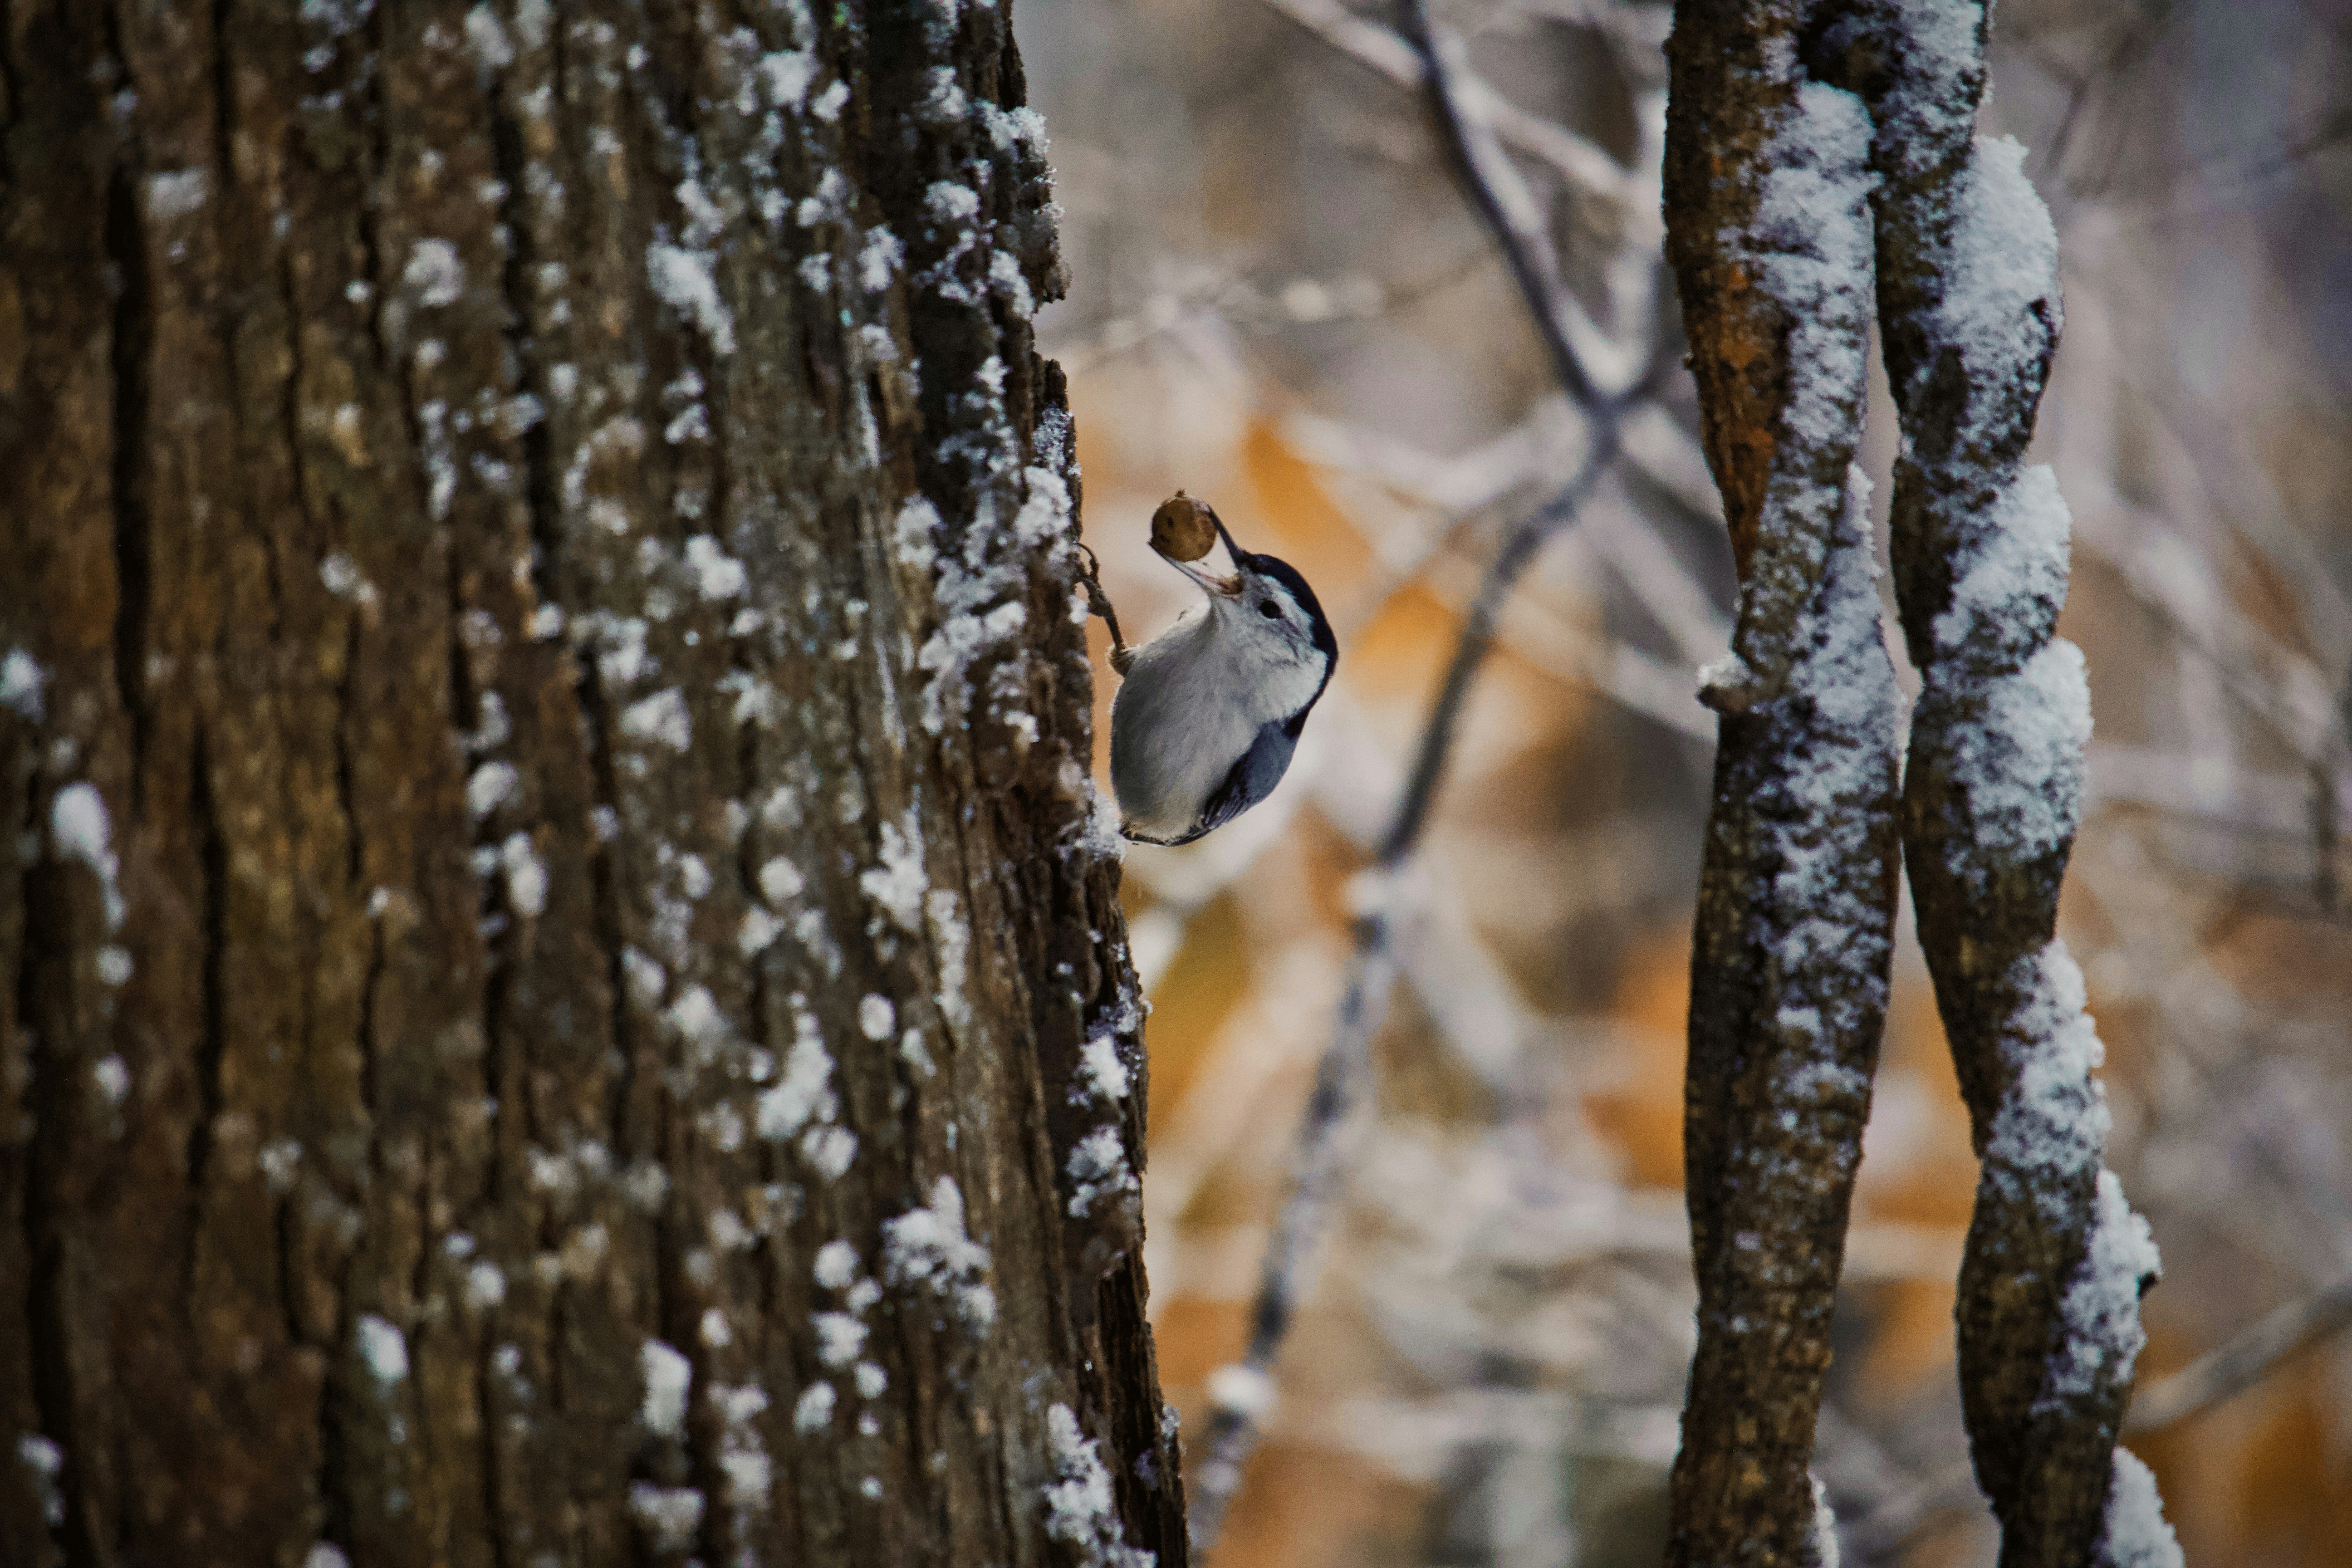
(568, 1002)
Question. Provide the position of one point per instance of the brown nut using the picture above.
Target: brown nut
(1181, 529)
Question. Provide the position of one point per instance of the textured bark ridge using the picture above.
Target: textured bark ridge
(2056, 1261)
(1768, 229)
(566, 998)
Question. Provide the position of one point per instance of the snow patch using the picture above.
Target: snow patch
(526, 876)
(837, 1265)
(382, 1349)
(805, 1091)
(840, 1338)
(2136, 1535)
(812, 1413)
(879, 257)
(952, 945)
(42, 1455)
(80, 829)
(786, 74)
(668, 1376)
(780, 881)
(1098, 1169)
(829, 1151)
(683, 279)
(1081, 1510)
(669, 1515)
(23, 686)
(177, 192)
(113, 1078)
(927, 1250)
(2101, 1308)
(899, 883)
(490, 786)
(2054, 1121)
(661, 717)
(717, 575)
(1811, 253)
(433, 273)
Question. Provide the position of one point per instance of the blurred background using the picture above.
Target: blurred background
(1280, 302)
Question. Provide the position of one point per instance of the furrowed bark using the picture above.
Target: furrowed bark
(566, 999)
(2056, 1261)
(1767, 228)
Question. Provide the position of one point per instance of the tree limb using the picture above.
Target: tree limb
(1968, 309)
(1768, 229)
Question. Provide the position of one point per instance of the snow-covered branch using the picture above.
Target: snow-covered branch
(1967, 282)
(1769, 228)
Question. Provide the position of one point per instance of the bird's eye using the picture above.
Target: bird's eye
(1269, 609)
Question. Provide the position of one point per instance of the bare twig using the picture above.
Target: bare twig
(1583, 164)
(1099, 603)
(2232, 1368)
(1579, 350)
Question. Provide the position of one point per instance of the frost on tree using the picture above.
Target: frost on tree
(566, 998)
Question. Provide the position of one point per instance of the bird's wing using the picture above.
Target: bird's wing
(1252, 778)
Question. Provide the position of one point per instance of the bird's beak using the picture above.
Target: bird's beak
(1231, 550)
(1227, 587)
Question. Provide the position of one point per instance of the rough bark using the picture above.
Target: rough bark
(565, 999)
(2056, 1261)
(1768, 229)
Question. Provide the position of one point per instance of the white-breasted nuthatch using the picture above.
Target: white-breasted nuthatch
(1210, 710)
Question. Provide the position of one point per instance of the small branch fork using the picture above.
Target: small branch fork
(1240, 1393)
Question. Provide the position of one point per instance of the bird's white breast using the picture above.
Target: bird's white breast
(1191, 703)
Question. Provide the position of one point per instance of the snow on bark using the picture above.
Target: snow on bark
(927, 1250)
(2056, 1262)
(2134, 1533)
(1081, 1510)
(1769, 228)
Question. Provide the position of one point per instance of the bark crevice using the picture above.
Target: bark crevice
(132, 349)
(42, 983)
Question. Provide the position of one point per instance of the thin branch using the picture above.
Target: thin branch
(1252, 310)
(1477, 635)
(1241, 1393)
(2232, 1368)
(1583, 164)
(1502, 199)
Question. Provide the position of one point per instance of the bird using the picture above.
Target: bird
(1203, 726)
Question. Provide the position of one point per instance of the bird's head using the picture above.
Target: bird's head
(1265, 604)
